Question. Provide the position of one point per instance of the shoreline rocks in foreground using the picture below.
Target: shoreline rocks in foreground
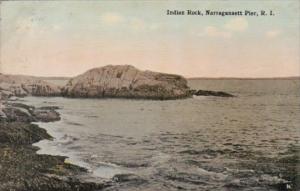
(11, 112)
(125, 81)
(21, 168)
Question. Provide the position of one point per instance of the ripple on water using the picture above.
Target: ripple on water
(234, 144)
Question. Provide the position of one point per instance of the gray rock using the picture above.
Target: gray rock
(125, 81)
(45, 115)
(19, 112)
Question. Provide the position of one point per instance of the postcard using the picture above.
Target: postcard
(150, 95)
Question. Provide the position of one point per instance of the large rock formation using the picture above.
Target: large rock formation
(18, 85)
(126, 81)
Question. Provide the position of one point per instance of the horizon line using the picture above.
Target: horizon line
(189, 78)
(246, 78)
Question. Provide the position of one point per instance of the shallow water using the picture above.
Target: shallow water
(201, 143)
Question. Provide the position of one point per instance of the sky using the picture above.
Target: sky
(66, 38)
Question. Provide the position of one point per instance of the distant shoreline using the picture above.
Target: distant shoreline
(205, 78)
(237, 78)
(188, 78)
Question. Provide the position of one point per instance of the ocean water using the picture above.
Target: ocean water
(200, 143)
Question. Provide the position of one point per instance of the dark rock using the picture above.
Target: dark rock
(45, 115)
(17, 114)
(21, 133)
(23, 113)
(49, 108)
(210, 93)
(5, 94)
(129, 179)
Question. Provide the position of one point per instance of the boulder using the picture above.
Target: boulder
(125, 81)
(45, 115)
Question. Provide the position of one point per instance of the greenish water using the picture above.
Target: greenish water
(202, 143)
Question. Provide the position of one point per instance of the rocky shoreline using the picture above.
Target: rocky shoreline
(21, 168)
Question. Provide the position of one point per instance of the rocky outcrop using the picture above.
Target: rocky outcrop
(10, 112)
(119, 81)
(125, 81)
(18, 85)
(210, 93)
